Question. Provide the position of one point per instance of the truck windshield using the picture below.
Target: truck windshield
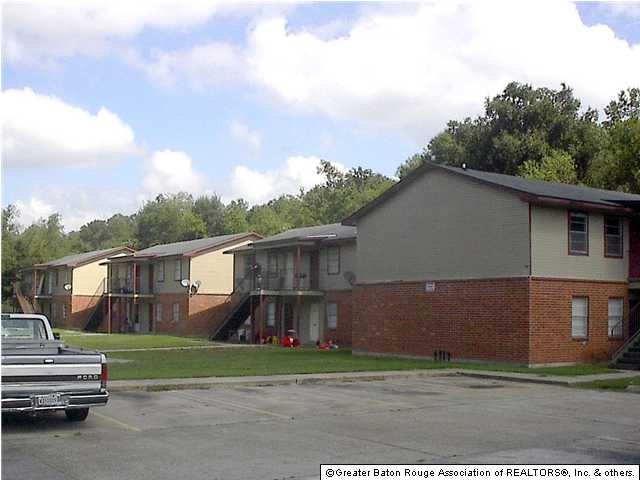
(23, 329)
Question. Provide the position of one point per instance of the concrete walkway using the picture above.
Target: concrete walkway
(271, 380)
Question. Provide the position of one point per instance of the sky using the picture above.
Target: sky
(104, 105)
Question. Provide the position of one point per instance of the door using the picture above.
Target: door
(314, 322)
(314, 269)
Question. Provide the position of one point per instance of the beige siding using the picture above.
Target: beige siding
(442, 226)
(347, 264)
(170, 284)
(549, 248)
(88, 279)
(215, 271)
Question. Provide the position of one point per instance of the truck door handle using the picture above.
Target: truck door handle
(48, 360)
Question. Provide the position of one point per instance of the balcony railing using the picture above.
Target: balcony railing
(285, 279)
(126, 286)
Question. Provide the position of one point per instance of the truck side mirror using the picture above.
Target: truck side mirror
(56, 336)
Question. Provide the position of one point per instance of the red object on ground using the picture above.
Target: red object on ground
(287, 342)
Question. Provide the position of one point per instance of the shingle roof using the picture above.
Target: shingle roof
(82, 258)
(548, 189)
(536, 188)
(194, 246)
(333, 231)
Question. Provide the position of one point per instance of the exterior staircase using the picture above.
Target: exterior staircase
(96, 317)
(628, 357)
(234, 319)
(25, 304)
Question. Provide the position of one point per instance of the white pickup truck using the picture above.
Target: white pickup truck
(39, 373)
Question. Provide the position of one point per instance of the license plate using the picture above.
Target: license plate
(50, 400)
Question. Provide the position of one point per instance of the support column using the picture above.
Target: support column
(260, 329)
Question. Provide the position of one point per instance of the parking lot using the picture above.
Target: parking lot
(287, 431)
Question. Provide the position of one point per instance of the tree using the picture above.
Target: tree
(10, 260)
(342, 193)
(211, 210)
(235, 217)
(522, 124)
(556, 167)
(411, 163)
(169, 218)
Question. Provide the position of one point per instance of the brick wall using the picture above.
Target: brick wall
(551, 340)
(471, 319)
(342, 334)
(81, 308)
(206, 313)
(166, 325)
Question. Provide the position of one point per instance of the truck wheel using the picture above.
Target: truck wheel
(77, 415)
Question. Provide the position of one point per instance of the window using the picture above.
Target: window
(57, 277)
(160, 271)
(271, 314)
(49, 283)
(579, 317)
(613, 237)
(272, 265)
(332, 316)
(616, 325)
(177, 269)
(66, 276)
(176, 312)
(333, 260)
(578, 233)
(64, 311)
(158, 312)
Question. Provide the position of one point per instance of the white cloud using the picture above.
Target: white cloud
(76, 205)
(32, 210)
(411, 71)
(201, 66)
(40, 131)
(243, 134)
(298, 172)
(36, 32)
(170, 171)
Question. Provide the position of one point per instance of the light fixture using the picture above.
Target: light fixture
(185, 282)
(67, 287)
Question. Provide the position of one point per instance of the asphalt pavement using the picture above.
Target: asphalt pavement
(287, 431)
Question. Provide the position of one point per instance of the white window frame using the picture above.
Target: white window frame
(158, 313)
(176, 312)
(332, 316)
(333, 264)
(572, 250)
(614, 240)
(177, 269)
(580, 317)
(271, 314)
(615, 322)
(160, 271)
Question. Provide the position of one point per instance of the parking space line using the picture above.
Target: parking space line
(236, 405)
(116, 422)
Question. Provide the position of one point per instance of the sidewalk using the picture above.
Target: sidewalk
(297, 379)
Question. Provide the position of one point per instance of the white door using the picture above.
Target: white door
(314, 322)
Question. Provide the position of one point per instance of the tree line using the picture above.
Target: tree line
(537, 133)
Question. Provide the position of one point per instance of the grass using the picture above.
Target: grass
(120, 341)
(613, 384)
(243, 361)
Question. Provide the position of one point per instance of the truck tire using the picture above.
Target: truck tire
(77, 415)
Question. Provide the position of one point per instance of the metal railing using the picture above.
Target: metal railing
(617, 331)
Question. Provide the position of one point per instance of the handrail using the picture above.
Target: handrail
(618, 324)
(635, 312)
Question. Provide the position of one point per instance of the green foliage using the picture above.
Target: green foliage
(556, 167)
(411, 163)
(342, 193)
(211, 210)
(100, 234)
(167, 219)
(542, 133)
(235, 217)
